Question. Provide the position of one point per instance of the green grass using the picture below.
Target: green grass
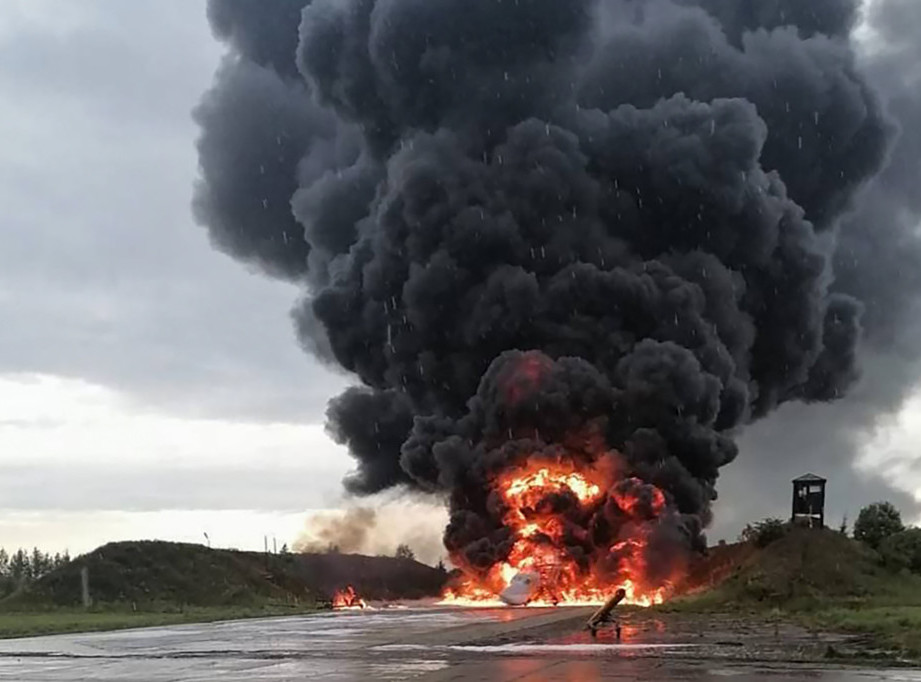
(57, 621)
(893, 628)
(823, 581)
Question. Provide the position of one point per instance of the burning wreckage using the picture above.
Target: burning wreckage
(569, 248)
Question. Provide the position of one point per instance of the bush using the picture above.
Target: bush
(902, 550)
(763, 533)
(405, 552)
(877, 522)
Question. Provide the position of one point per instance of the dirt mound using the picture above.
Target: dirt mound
(804, 564)
(152, 573)
(810, 563)
(373, 577)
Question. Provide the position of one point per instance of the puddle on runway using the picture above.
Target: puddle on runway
(558, 648)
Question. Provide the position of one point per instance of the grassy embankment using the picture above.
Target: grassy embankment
(143, 584)
(822, 580)
(120, 617)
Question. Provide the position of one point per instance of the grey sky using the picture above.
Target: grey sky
(104, 275)
(105, 279)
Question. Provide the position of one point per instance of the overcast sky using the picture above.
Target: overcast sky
(150, 386)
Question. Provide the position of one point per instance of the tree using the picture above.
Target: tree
(19, 567)
(876, 522)
(902, 550)
(404, 552)
(41, 564)
(843, 527)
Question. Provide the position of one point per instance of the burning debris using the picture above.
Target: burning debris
(348, 599)
(568, 246)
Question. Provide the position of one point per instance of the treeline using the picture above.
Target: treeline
(23, 567)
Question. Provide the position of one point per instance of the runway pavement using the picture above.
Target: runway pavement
(427, 644)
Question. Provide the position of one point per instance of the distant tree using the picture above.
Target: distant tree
(332, 548)
(405, 552)
(876, 522)
(19, 566)
(284, 548)
(764, 532)
(902, 550)
(22, 567)
(441, 566)
(40, 564)
(843, 527)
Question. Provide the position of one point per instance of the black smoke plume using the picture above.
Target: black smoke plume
(647, 195)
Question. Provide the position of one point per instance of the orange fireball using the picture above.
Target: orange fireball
(532, 496)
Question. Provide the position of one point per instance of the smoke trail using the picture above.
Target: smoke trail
(380, 531)
(644, 195)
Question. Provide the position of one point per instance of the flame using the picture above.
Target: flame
(348, 599)
(533, 496)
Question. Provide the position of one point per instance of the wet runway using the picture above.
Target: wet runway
(412, 644)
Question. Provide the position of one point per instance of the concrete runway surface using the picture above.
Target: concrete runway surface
(427, 644)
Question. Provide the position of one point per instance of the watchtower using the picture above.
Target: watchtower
(809, 501)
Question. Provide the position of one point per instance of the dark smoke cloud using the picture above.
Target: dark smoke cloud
(876, 260)
(650, 193)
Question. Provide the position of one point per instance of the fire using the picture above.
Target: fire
(537, 499)
(348, 599)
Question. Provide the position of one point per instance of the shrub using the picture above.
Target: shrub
(902, 550)
(405, 552)
(764, 532)
(877, 522)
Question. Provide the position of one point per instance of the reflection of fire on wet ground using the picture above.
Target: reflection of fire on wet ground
(647, 632)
